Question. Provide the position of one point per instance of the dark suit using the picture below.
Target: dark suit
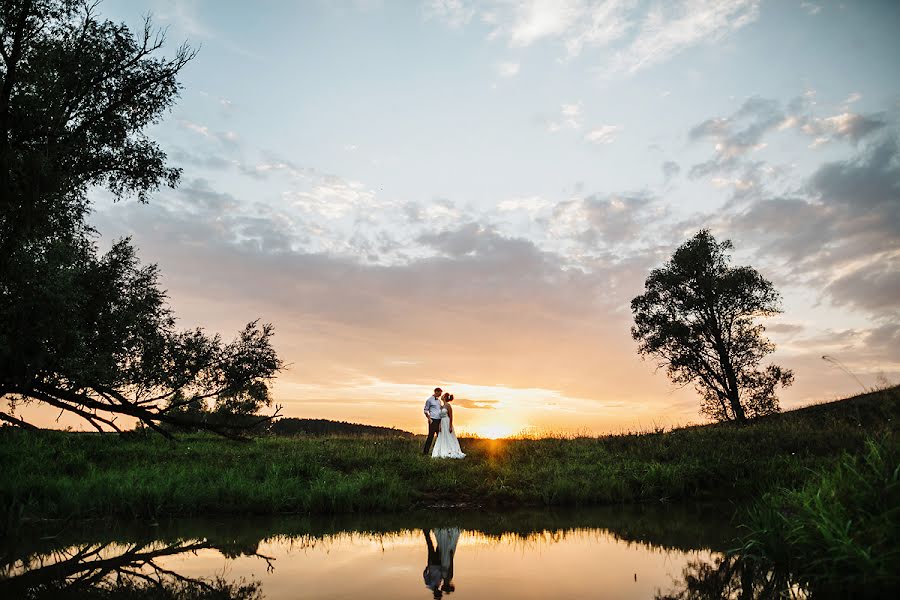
(432, 572)
(434, 428)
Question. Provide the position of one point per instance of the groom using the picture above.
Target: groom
(433, 415)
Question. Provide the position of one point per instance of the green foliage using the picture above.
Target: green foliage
(83, 332)
(841, 530)
(697, 317)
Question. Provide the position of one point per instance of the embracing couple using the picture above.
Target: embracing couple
(439, 413)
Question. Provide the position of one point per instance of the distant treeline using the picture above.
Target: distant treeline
(290, 426)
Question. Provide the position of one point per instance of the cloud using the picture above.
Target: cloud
(604, 219)
(454, 13)
(874, 287)
(670, 170)
(673, 27)
(479, 241)
(605, 134)
(841, 232)
(569, 118)
(865, 349)
(205, 160)
(736, 135)
(199, 194)
(531, 205)
(846, 125)
(228, 138)
(577, 24)
(183, 15)
(477, 404)
(507, 69)
(785, 328)
(334, 197)
(634, 35)
(742, 133)
(811, 7)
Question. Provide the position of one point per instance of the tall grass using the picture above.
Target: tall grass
(841, 530)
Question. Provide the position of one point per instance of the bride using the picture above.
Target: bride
(447, 446)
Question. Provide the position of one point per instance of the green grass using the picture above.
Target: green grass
(52, 474)
(841, 530)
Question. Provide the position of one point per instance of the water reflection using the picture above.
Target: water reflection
(108, 569)
(438, 573)
(614, 552)
(732, 577)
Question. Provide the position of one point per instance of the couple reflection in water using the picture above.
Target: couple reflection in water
(438, 573)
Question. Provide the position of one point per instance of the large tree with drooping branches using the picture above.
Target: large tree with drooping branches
(86, 332)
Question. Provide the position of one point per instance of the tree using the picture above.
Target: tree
(88, 333)
(697, 317)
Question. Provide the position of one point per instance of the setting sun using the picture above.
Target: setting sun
(494, 430)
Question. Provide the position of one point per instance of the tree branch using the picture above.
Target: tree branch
(17, 421)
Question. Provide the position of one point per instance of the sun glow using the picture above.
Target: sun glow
(494, 431)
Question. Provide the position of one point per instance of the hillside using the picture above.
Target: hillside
(65, 474)
(291, 426)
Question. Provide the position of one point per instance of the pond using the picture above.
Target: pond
(611, 552)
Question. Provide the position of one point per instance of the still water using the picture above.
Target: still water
(621, 552)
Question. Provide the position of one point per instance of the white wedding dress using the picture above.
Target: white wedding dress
(446, 446)
(447, 538)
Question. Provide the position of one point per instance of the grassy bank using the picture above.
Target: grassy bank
(841, 528)
(62, 475)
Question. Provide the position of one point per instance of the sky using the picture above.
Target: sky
(468, 195)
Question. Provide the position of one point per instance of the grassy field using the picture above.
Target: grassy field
(51, 474)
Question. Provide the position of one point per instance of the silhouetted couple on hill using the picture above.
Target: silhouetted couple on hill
(439, 414)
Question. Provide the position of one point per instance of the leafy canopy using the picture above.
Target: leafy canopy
(83, 332)
(697, 317)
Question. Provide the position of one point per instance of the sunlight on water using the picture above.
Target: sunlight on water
(579, 563)
(619, 553)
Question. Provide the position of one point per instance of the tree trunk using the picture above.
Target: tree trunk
(734, 397)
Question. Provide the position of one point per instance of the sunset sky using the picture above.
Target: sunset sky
(468, 194)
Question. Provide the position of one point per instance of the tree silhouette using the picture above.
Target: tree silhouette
(697, 317)
(87, 333)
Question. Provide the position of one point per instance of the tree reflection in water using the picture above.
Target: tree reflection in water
(104, 570)
(732, 578)
(134, 559)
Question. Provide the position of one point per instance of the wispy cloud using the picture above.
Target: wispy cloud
(454, 13)
(333, 198)
(811, 7)
(605, 134)
(531, 205)
(225, 137)
(671, 28)
(507, 69)
(743, 132)
(640, 37)
(569, 118)
(845, 125)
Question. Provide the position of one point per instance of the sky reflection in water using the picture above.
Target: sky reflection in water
(612, 553)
